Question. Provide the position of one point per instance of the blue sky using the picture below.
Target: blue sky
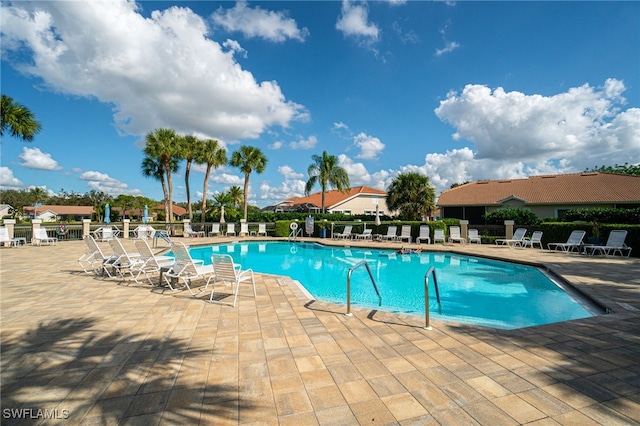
(458, 91)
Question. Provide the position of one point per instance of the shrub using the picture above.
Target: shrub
(519, 216)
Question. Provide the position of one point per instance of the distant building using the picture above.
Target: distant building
(5, 210)
(355, 201)
(545, 196)
(47, 213)
(178, 212)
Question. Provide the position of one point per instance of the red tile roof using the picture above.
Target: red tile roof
(177, 210)
(62, 210)
(334, 197)
(579, 188)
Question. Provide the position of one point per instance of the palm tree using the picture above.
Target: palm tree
(213, 156)
(152, 168)
(327, 173)
(37, 194)
(248, 159)
(18, 119)
(236, 195)
(163, 145)
(412, 195)
(190, 148)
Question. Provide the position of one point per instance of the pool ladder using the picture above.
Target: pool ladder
(373, 281)
(431, 271)
(294, 234)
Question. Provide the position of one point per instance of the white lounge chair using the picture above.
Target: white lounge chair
(124, 260)
(405, 234)
(189, 232)
(227, 272)
(615, 244)
(40, 236)
(231, 229)
(438, 235)
(105, 233)
(346, 233)
(536, 238)
(454, 235)
(215, 230)
(186, 269)
(94, 261)
(244, 229)
(574, 242)
(474, 237)
(366, 235)
(4, 238)
(262, 229)
(391, 235)
(516, 240)
(425, 234)
(144, 232)
(149, 264)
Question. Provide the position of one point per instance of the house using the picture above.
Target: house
(178, 212)
(355, 201)
(58, 213)
(545, 196)
(5, 210)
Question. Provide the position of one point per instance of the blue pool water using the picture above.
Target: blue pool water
(472, 290)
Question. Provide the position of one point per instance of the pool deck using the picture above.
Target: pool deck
(104, 352)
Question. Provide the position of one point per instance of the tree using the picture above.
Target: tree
(236, 195)
(37, 194)
(190, 149)
(163, 146)
(412, 195)
(325, 171)
(18, 119)
(625, 169)
(213, 156)
(248, 159)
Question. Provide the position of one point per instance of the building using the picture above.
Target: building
(179, 213)
(545, 196)
(58, 213)
(356, 201)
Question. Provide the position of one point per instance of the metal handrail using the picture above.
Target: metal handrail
(431, 271)
(373, 281)
(294, 233)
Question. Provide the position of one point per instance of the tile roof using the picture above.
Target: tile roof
(334, 197)
(61, 210)
(575, 188)
(177, 210)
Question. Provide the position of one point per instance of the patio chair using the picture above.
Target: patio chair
(366, 235)
(144, 232)
(94, 261)
(262, 229)
(186, 269)
(346, 233)
(615, 244)
(391, 235)
(231, 229)
(438, 235)
(105, 233)
(454, 235)
(474, 237)
(574, 242)
(189, 232)
(425, 233)
(244, 229)
(228, 273)
(516, 240)
(40, 236)
(124, 260)
(215, 230)
(149, 264)
(536, 238)
(4, 238)
(405, 234)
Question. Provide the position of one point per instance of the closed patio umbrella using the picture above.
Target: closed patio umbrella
(145, 215)
(107, 213)
(222, 214)
(377, 216)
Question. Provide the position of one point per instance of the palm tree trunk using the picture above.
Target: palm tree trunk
(186, 183)
(246, 194)
(204, 194)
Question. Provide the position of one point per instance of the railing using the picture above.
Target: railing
(373, 281)
(431, 271)
(294, 233)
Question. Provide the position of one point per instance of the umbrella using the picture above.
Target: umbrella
(377, 216)
(107, 213)
(222, 214)
(145, 215)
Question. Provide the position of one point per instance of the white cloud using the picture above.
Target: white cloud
(582, 126)
(370, 146)
(289, 173)
(33, 158)
(276, 145)
(156, 71)
(227, 179)
(8, 180)
(308, 143)
(450, 46)
(257, 22)
(105, 183)
(354, 22)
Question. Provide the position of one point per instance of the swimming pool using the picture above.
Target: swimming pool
(472, 290)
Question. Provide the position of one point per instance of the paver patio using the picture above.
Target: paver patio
(102, 352)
